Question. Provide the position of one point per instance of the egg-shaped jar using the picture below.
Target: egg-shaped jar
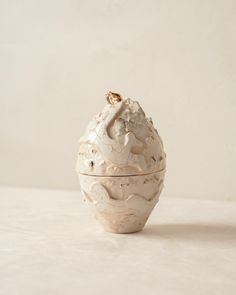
(121, 165)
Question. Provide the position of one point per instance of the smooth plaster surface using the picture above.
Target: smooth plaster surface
(50, 244)
(178, 58)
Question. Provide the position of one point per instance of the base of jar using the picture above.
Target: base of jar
(122, 225)
(122, 204)
(123, 232)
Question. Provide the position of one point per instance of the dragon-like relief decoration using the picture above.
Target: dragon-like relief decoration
(120, 215)
(112, 139)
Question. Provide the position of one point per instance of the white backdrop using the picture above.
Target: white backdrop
(178, 58)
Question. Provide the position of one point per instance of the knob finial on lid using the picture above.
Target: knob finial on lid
(113, 97)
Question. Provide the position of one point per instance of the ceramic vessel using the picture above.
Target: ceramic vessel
(121, 165)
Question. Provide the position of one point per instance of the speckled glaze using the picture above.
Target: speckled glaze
(121, 166)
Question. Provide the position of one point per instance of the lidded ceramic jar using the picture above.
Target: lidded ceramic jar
(121, 165)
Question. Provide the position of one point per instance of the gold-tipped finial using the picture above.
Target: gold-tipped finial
(113, 97)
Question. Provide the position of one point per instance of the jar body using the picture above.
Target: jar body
(122, 204)
(121, 165)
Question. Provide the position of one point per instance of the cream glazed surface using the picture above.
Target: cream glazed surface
(122, 204)
(121, 140)
(121, 165)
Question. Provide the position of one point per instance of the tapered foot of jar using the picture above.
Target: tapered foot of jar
(122, 204)
(124, 224)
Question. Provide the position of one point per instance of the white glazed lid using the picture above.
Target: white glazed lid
(120, 141)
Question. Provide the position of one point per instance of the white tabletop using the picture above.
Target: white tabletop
(50, 244)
